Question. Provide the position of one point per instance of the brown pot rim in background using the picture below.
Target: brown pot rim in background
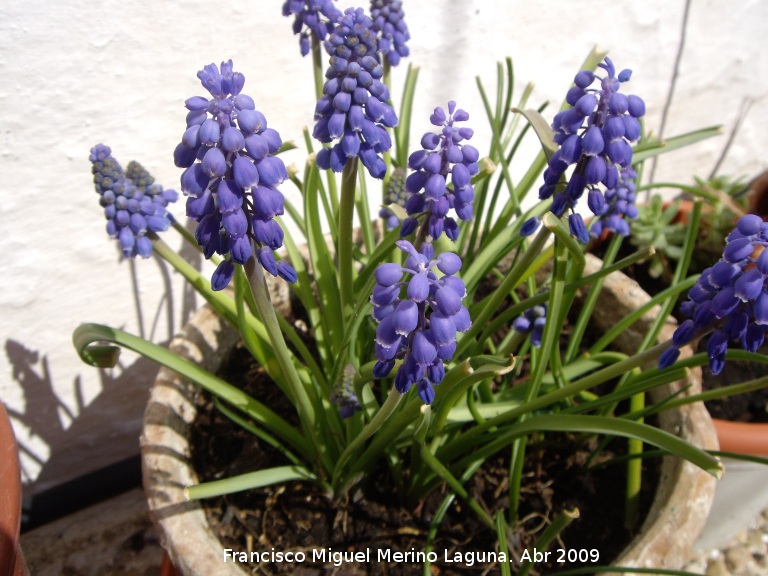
(11, 558)
(747, 438)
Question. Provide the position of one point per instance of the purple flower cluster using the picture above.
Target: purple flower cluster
(133, 204)
(432, 193)
(532, 322)
(730, 299)
(394, 193)
(232, 175)
(353, 108)
(595, 136)
(389, 20)
(312, 18)
(619, 205)
(421, 328)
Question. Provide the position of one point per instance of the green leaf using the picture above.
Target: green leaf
(86, 335)
(402, 130)
(324, 273)
(654, 147)
(607, 426)
(249, 481)
(542, 128)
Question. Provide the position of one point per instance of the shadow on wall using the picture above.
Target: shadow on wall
(106, 430)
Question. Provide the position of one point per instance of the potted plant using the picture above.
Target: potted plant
(423, 357)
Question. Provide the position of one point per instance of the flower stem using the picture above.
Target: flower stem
(346, 214)
(266, 312)
(317, 66)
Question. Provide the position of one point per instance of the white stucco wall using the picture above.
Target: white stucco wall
(80, 72)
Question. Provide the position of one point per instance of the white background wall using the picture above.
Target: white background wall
(79, 72)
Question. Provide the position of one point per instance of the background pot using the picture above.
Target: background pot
(740, 495)
(11, 558)
(675, 520)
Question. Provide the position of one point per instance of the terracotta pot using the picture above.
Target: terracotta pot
(741, 494)
(675, 520)
(11, 558)
(746, 438)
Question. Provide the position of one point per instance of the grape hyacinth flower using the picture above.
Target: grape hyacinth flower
(730, 299)
(353, 108)
(133, 204)
(421, 328)
(394, 193)
(312, 18)
(344, 393)
(620, 205)
(595, 136)
(532, 322)
(431, 192)
(232, 175)
(389, 21)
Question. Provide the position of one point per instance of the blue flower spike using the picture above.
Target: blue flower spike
(311, 18)
(730, 299)
(231, 176)
(419, 329)
(442, 177)
(344, 393)
(389, 21)
(595, 136)
(394, 193)
(353, 112)
(133, 203)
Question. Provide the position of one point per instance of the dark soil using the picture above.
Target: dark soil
(298, 517)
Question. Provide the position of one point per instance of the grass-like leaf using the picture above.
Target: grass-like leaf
(249, 481)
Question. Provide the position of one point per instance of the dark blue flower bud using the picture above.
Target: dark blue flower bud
(736, 325)
(222, 275)
(716, 349)
(382, 368)
(761, 309)
(753, 338)
(683, 333)
(750, 285)
(737, 250)
(668, 357)
(724, 302)
(722, 273)
(578, 229)
(529, 226)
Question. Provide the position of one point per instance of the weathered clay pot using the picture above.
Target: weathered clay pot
(675, 520)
